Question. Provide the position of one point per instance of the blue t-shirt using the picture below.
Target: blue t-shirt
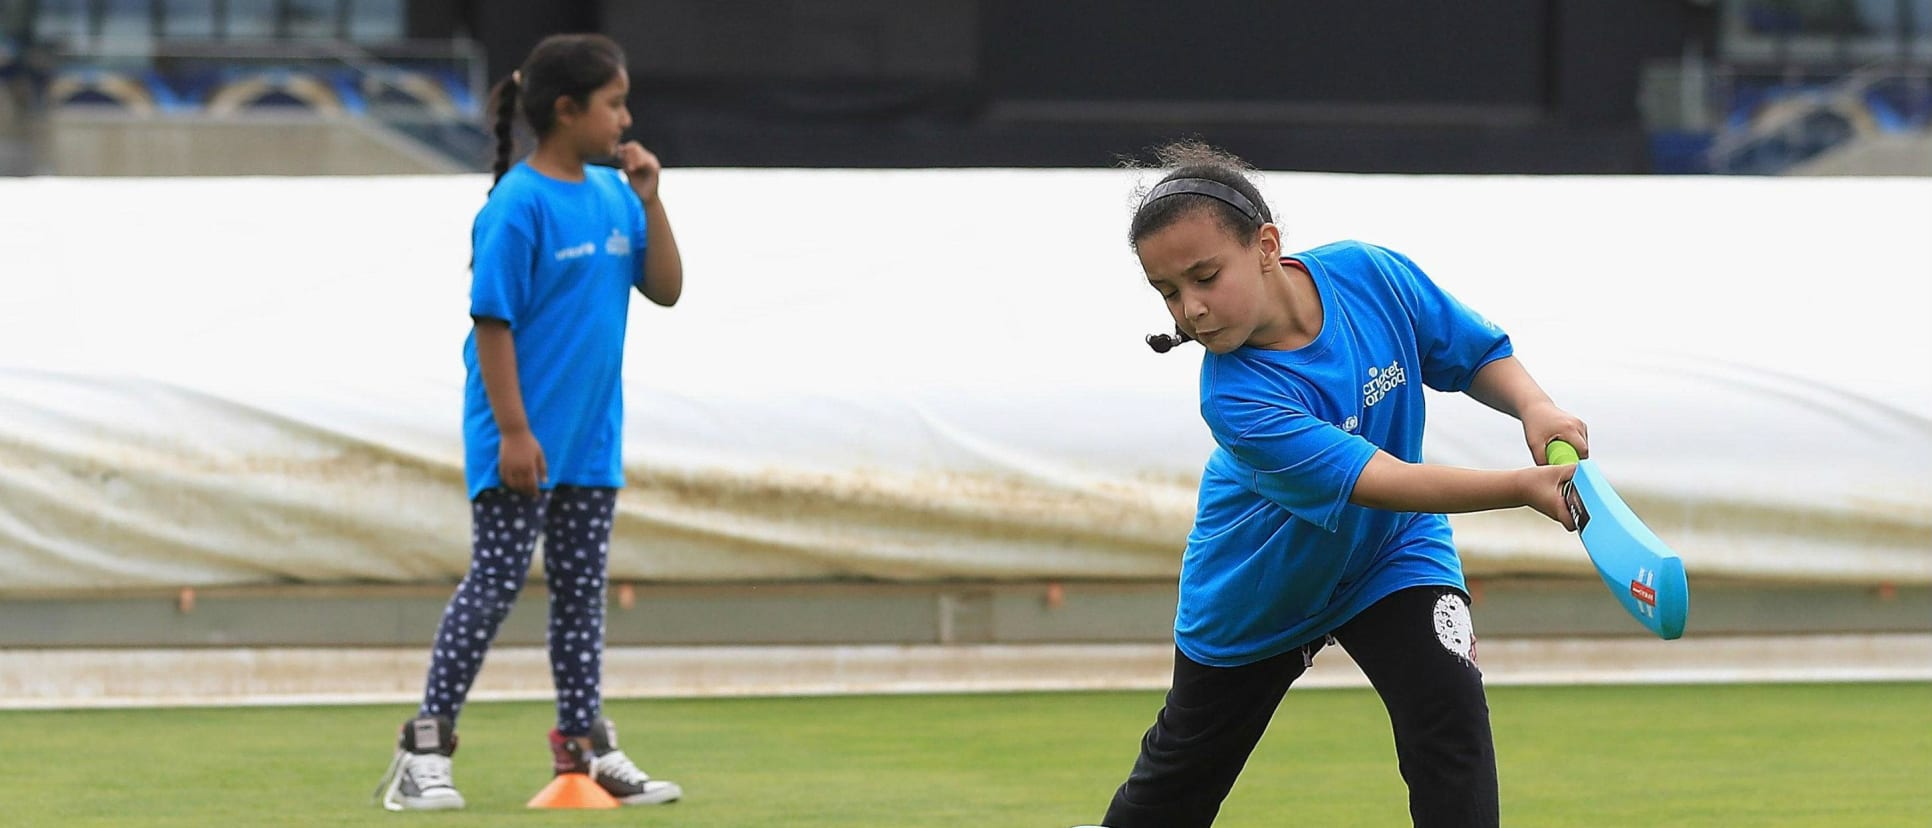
(1278, 556)
(557, 261)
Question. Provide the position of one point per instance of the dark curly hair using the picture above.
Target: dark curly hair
(1193, 158)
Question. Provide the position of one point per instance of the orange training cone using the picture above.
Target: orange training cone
(574, 790)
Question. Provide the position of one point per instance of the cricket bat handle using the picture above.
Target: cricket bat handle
(1560, 453)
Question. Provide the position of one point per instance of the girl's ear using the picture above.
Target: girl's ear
(567, 109)
(1269, 238)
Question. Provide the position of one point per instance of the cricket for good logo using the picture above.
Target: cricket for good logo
(617, 244)
(1381, 381)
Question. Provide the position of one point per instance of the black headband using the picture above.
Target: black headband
(1206, 187)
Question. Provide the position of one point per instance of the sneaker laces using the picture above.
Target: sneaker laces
(619, 767)
(430, 770)
(389, 777)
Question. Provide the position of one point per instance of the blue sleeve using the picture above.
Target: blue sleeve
(1454, 341)
(1301, 463)
(504, 263)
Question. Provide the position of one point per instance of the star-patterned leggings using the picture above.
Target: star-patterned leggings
(575, 524)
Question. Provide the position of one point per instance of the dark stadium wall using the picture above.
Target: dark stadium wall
(1364, 51)
(1597, 51)
(1510, 86)
(506, 30)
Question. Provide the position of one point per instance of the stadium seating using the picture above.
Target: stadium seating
(285, 89)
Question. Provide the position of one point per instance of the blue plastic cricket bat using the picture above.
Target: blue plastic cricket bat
(1642, 573)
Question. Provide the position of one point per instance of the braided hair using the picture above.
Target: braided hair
(504, 105)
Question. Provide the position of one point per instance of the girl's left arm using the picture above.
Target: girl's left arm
(1505, 385)
(663, 268)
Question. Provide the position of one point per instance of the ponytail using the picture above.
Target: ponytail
(504, 98)
(1162, 343)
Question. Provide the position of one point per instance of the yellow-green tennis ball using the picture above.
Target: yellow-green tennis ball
(1560, 453)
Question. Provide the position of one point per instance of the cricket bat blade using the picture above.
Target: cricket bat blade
(1643, 574)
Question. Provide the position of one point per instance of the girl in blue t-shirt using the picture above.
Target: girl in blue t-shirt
(1318, 522)
(557, 249)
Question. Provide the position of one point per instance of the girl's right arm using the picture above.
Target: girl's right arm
(1392, 484)
(519, 458)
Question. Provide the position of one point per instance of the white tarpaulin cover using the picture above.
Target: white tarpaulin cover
(927, 374)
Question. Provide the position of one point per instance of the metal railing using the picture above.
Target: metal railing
(1825, 32)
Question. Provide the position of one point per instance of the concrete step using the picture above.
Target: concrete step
(80, 678)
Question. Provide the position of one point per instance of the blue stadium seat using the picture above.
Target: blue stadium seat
(1680, 152)
(457, 85)
(1900, 105)
(347, 88)
(197, 82)
(166, 99)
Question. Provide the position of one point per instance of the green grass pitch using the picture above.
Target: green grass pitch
(1779, 755)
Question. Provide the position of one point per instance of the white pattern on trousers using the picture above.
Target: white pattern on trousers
(575, 524)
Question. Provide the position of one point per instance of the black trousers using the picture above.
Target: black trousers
(1418, 650)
